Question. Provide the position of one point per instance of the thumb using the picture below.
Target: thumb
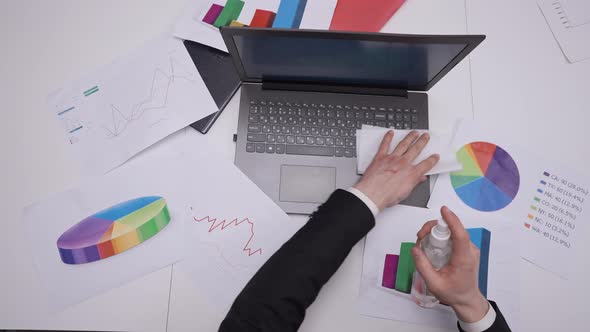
(424, 267)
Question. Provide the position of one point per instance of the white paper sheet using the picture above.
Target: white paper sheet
(232, 228)
(121, 109)
(400, 224)
(317, 15)
(151, 173)
(569, 21)
(369, 138)
(549, 206)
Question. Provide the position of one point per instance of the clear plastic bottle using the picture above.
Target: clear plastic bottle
(437, 247)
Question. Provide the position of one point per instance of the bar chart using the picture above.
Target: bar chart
(288, 14)
(398, 269)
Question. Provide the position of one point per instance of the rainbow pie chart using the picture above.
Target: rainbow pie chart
(489, 180)
(113, 230)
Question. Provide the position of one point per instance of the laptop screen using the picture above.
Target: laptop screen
(404, 62)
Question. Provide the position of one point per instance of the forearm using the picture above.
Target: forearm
(278, 295)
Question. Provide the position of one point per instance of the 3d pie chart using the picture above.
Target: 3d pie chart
(113, 230)
(489, 180)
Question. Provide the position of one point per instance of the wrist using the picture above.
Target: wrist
(473, 310)
(373, 196)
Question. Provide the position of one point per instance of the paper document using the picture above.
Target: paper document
(232, 227)
(369, 138)
(569, 21)
(199, 25)
(385, 288)
(503, 183)
(121, 109)
(110, 231)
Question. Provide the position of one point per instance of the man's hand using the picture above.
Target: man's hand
(456, 283)
(391, 177)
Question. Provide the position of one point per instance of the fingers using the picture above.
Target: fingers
(424, 267)
(385, 143)
(417, 147)
(427, 164)
(460, 237)
(405, 144)
(425, 230)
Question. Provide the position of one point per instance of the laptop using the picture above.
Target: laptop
(304, 93)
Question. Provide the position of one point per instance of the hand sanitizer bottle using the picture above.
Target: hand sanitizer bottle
(437, 247)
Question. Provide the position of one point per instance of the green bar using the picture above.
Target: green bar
(230, 12)
(89, 92)
(91, 89)
(537, 199)
(405, 268)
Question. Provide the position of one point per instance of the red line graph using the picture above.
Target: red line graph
(223, 224)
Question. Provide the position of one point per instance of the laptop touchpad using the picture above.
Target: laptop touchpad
(306, 184)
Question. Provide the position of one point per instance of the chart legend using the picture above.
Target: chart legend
(113, 230)
(489, 180)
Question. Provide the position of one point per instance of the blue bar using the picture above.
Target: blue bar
(543, 182)
(65, 111)
(481, 238)
(75, 129)
(540, 191)
(289, 14)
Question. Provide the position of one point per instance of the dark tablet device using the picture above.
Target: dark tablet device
(220, 76)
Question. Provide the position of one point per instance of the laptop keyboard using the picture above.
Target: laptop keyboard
(283, 127)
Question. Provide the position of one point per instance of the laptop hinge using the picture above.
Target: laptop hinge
(311, 87)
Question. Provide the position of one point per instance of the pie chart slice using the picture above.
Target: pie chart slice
(489, 180)
(113, 230)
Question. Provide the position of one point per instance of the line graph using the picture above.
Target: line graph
(157, 99)
(221, 225)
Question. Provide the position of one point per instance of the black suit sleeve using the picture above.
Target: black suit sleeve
(279, 293)
(499, 325)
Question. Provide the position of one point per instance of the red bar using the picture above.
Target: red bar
(363, 15)
(262, 19)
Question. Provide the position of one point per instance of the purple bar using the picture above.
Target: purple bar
(390, 271)
(545, 173)
(212, 14)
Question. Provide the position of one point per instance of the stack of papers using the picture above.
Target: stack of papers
(369, 138)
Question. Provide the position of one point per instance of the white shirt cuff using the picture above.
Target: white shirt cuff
(485, 323)
(368, 202)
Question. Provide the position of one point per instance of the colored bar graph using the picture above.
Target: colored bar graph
(405, 268)
(289, 14)
(230, 12)
(546, 173)
(481, 238)
(390, 271)
(212, 14)
(262, 19)
(537, 199)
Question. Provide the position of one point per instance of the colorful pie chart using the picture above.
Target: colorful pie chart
(489, 180)
(113, 230)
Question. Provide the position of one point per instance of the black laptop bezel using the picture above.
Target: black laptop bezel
(471, 42)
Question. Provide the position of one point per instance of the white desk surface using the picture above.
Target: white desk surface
(518, 74)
